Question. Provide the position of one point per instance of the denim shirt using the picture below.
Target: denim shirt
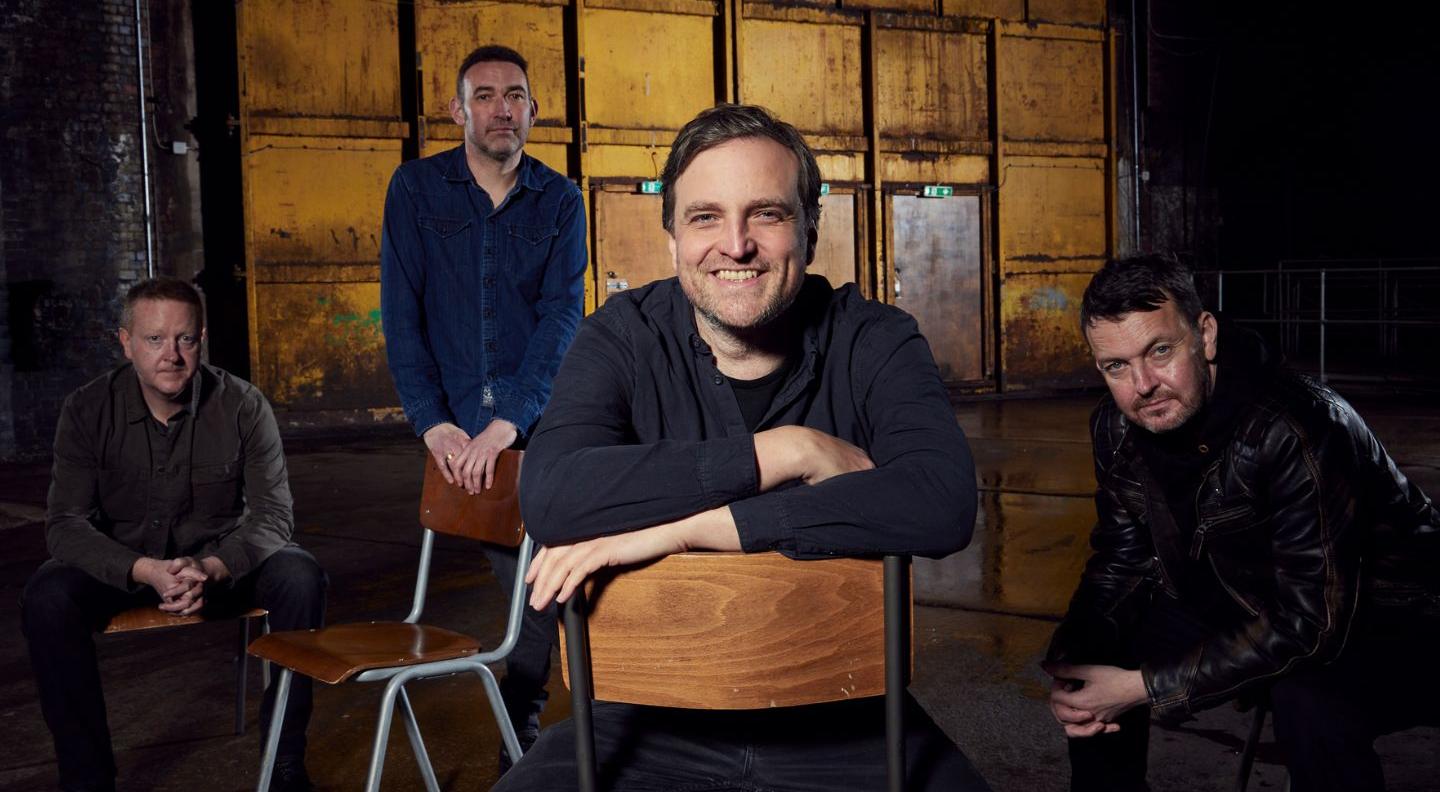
(479, 302)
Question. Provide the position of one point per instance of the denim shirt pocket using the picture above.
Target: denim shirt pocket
(530, 249)
(445, 239)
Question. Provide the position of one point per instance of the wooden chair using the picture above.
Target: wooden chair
(399, 652)
(149, 617)
(705, 630)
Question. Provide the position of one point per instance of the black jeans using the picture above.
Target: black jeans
(820, 748)
(1326, 718)
(61, 609)
(527, 669)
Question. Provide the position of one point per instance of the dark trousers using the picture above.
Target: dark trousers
(1326, 718)
(61, 609)
(820, 748)
(527, 669)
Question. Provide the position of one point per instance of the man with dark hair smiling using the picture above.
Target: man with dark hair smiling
(481, 264)
(743, 405)
(168, 489)
(1254, 539)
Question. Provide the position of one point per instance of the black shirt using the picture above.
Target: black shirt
(643, 429)
(755, 396)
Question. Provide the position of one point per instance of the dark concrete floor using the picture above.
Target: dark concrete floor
(985, 617)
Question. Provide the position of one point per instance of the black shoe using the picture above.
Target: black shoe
(527, 738)
(291, 777)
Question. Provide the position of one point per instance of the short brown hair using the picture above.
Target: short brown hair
(162, 288)
(487, 54)
(724, 123)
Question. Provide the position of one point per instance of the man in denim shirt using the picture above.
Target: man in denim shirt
(481, 261)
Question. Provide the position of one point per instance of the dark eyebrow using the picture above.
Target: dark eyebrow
(700, 206)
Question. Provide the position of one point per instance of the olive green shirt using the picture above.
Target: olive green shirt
(210, 482)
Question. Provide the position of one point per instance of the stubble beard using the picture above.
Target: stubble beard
(1188, 409)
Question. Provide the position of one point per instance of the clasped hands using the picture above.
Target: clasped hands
(470, 461)
(1087, 699)
(785, 453)
(180, 582)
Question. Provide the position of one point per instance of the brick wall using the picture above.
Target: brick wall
(72, 232)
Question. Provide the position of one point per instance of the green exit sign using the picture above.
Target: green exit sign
(825, 188)
(651, 187)
(938, 191)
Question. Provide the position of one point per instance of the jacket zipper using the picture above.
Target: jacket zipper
(1198, 540)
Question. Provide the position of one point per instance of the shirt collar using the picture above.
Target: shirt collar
(457, 169)
(811, 304)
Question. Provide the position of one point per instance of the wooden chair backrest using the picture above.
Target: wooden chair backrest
(493, 515)
(737, 631)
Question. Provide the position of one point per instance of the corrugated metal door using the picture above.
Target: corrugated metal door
(321, 133)
(937, 265)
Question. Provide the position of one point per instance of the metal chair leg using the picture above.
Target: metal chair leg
(417, 743)
(577, 654)
(265, 664)
(382, 732)
(1252, 742)
(897, 666)
(272, 740)
(242, 667)
(502, 717)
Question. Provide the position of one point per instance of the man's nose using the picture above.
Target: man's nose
(737, 243)
(1143, 379)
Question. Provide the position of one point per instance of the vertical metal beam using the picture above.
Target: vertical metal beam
(1112, 185)
(878, 283)
(144, 141)
(732, 10)
(997, 177)
(577, 655)
(579, 152)
(242, 73)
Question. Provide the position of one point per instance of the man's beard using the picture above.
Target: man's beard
(1187, 410)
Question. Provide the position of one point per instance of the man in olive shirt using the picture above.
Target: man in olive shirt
(168, 488)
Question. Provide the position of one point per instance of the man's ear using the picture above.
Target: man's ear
(674, 255)
(124, 336)
(1209, 333)
(457, 111)
(534, 110)
(812, 238)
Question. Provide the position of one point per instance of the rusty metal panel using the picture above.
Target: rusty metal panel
(320, 58)
(1040, 341)
(841, 167)
(647, 70)
(637, 162)
(1052, 89)
(631, 247)
(1068, 12)
(835, 249)
(317, 199)
(918, 168)
(807, 74)
(321, 346)
(987, 9)
(927, 6)
(932, 84)
(446, 32)
(936, 245)
(1052, 215)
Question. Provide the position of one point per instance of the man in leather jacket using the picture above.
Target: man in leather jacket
(1253, 539)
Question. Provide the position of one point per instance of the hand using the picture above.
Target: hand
(1087, 699)
(446, 442)
(180, 582)
(556, 572)
(787, 453)
(476, 463)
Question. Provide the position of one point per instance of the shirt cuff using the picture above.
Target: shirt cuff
(115, 570)
(426, 416)
(761, 526)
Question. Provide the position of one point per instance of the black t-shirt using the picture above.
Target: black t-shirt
(755, 396)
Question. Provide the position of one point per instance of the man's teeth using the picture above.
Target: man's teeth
(736, 275)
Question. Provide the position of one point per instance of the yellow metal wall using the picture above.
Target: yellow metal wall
(1004, 100)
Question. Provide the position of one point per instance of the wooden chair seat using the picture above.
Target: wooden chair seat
(149, 617)
(334, 654)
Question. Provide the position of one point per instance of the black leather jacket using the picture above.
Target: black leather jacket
(1294, 518)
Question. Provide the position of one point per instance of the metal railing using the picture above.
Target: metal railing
(1384, 314)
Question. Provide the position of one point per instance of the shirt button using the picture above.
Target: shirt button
(719, 380)
(489, 282)
(490, 346)
(489, 313)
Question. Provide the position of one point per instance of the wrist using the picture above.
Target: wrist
(780, 455)
(140, 570)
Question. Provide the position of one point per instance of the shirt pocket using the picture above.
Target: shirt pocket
(445, 239)
(529, 246)
(215, 490)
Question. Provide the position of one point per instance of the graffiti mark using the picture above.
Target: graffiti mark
(1046, 299)
(280, 232)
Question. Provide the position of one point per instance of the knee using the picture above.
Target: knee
(50, 599)
(291, 575)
